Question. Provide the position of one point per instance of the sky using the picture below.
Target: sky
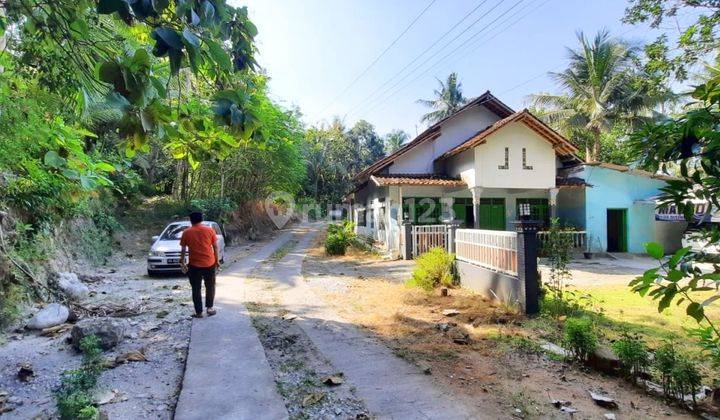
(318, 53)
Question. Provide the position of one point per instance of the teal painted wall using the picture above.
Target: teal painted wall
(619, 190)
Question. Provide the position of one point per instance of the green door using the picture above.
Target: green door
(492, 213)
(617, 230)
(462, 207)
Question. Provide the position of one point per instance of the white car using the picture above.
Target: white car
(164, 255)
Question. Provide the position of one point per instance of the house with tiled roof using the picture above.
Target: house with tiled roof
(479, 165)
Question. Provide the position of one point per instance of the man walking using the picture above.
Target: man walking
(201, 242)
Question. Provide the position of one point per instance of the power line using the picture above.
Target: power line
(437, 41)
(364, 72)
(432, 66)
(447, 44)
(521, 84)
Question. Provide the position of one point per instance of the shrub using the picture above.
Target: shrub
(557, 247)
(335, 244)
(339, 237)
(633, 354)
(686, 379)
(434, 268)
(74, 395)
(580, 338)
(665, 361)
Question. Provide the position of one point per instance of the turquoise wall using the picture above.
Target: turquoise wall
(612, 189)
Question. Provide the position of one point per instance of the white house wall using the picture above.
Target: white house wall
(463, 165)
(453, 132)
(515, 136)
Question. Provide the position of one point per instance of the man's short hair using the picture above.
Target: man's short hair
(196, 217)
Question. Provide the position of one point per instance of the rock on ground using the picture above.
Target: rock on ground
(605, 360)
(49, 316)
(108, 330)
(71, 285)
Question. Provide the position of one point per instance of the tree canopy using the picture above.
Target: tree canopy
(601, 87)
(448, 98)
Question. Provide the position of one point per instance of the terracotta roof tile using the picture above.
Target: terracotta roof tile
(417, 179)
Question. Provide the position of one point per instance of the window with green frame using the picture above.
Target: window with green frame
(427, 210)
(539, 208)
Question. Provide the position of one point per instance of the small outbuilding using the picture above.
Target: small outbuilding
(613, 205)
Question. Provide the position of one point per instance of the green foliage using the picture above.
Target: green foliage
(394, 140)
(674, 281)
(339, 238)
(448, 99)
(696, 40)
(558, 249)
(688, 144)
(686, 379)
(74, 395)
(633, 354)
(679, 375)
(217, 209)
(602, 86)
(433, 268)
(666, 359)
(580, 338)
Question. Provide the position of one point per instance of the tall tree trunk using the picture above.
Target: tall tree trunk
(222, 180)
(184, 180)
(596, 145)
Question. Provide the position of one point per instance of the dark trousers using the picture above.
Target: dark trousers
(196, 276)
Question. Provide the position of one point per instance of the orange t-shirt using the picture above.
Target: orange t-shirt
(199, 239)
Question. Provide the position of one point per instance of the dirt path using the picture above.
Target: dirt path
(389, 386)
(157, 322)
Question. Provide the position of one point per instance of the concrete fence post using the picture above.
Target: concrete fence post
(527, 255)
(407, 247)
(452, 227)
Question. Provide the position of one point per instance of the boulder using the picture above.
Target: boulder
(604, 360)
(52, 315)
(108, 330)
(71, 285)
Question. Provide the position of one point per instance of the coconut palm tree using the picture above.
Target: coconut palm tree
(448, 99)
(600, 87)
(394, 140)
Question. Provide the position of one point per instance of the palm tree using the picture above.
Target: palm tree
(394, 140)
(600, 87)
(448, 99)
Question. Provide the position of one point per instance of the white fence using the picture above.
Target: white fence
(579, 237)
(425, 237)
(492, 249)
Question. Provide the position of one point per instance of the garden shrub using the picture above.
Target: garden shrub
(433, 268)
(339, 237)
(633, 354)
(580, 338)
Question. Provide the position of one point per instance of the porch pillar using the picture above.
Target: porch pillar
(407, 246)
(476, 193)
(552, 201)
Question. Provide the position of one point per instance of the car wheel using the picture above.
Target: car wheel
(152, 273)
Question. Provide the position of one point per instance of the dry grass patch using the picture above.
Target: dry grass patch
(501, 359)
